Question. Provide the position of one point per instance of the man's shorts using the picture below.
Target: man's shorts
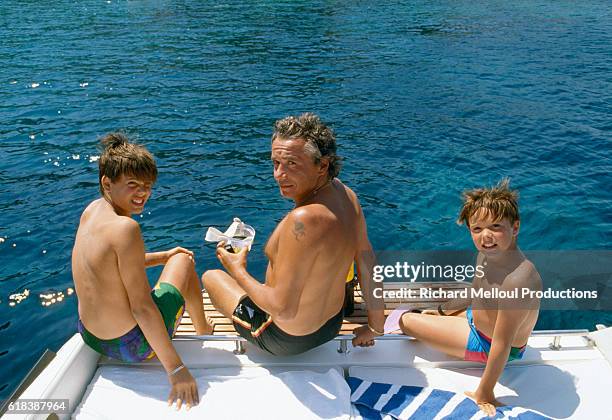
(257, 327)
(133, 346)
(479, 345)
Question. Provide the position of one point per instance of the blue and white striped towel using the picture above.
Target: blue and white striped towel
(373, 400)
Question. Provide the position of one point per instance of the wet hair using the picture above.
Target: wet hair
(320, 139)
(500, 201)
(119, 157)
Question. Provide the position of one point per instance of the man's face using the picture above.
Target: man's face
(129, 194)
(294, 170)
(492, 236)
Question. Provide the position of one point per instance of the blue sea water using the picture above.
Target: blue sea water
(427, 99)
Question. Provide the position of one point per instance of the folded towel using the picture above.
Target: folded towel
(373, 400)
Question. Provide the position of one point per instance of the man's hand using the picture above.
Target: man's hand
(178, 250)
(233, 263)
(364, 337)
(184, 389)
(487, 403)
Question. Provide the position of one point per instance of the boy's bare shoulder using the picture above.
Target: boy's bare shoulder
(122, 230)
(89, 210)
(525, 275)
(123, 225)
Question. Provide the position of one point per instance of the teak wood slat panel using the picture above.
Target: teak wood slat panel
(223, 326)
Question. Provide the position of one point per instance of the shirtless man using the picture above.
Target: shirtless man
(119, 315)
(300, 305)
(496, 330)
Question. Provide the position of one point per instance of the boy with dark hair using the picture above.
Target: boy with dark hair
(496, 330)
(119, 315)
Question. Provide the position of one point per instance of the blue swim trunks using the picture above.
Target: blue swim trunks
(479, 345)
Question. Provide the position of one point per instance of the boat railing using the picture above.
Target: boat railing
(343, 340)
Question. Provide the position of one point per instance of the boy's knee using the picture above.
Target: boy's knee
(406, 320)
(182, 258)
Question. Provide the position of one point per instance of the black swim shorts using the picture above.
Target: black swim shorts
(257, 327)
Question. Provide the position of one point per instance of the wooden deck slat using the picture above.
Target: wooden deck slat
(224, 326)
(218, 318)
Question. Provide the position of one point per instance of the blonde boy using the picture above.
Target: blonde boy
(491, 331)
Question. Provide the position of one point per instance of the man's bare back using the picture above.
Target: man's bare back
(337, 214)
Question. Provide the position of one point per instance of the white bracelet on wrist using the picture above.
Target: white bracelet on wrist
(176, 370)
(379, 333)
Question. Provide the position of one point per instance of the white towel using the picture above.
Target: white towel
(119, 393)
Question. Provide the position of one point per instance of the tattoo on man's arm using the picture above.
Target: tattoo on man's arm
(298, 230)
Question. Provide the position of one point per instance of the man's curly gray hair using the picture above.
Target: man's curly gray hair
(320, 139)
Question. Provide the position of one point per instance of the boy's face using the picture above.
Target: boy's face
(492, 236)
(127, 193)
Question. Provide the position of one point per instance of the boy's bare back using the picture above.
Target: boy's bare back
(119, 315)
(104, 307)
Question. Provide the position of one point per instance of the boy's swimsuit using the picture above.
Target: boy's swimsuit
(257, 327)
(479, 345)
(133, 346)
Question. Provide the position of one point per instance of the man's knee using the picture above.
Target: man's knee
(210, 278)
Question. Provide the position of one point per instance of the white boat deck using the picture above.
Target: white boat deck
(571, 382)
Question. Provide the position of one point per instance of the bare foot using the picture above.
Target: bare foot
(207, 329)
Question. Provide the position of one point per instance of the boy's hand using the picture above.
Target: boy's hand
(233, 263)
(178, 250)
(487, 403)
(184, 389)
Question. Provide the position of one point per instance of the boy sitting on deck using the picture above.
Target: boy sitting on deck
(119, 315)
(491, 331)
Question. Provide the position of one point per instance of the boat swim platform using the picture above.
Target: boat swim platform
(563, 374)
(222, 326)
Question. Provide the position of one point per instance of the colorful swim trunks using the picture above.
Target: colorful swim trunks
(133, 346)
(479, 345)
(252, 323)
